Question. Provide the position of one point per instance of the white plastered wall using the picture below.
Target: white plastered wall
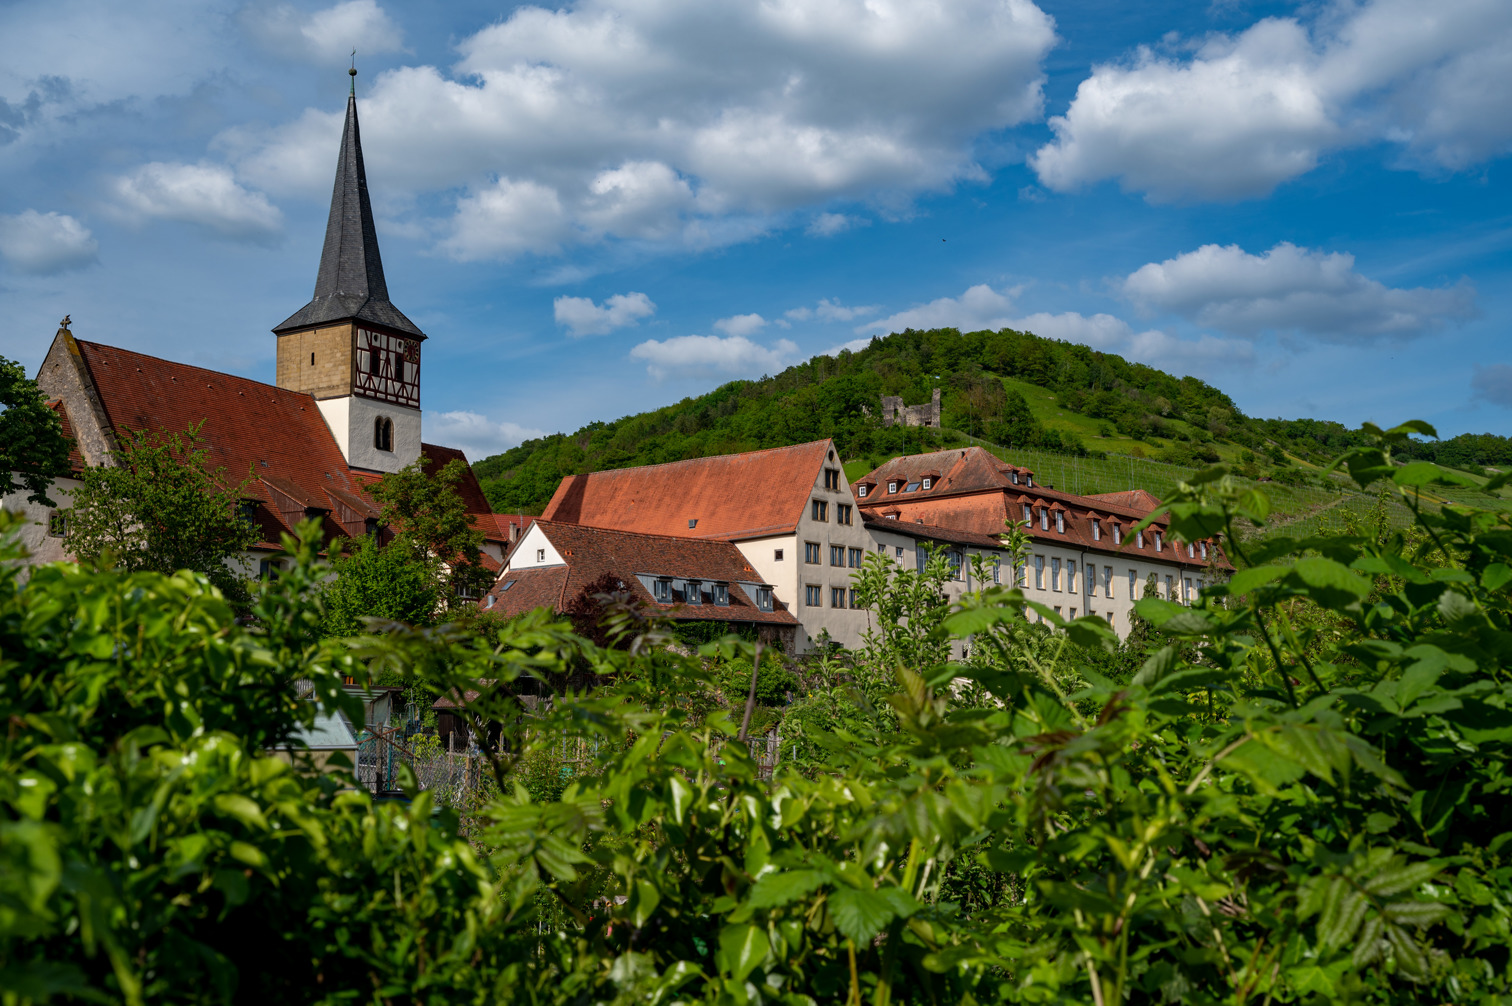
(351, 420)
(41, 546)
(533, 549)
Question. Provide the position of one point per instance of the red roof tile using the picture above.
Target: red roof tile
(592, 552)
(732, 496)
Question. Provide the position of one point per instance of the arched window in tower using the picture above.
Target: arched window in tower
(383, 433)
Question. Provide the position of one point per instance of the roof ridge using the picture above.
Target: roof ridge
(192, 366)
(706, 457)
(634, 534)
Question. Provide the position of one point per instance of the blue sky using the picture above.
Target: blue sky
(604, 207)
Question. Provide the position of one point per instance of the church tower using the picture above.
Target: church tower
(349, 347)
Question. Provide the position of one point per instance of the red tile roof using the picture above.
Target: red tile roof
(592, 552)
(496, 526)
(733, 496)
(277, 436)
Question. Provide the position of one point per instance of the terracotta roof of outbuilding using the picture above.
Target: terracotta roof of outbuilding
(589, 553)
(732, 496)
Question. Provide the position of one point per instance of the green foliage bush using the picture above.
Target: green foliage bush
(1297, 796)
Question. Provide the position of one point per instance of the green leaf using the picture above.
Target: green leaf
(1496, 576)
(859, 914)
(1416, 473)
(242, 808)
(1247, 580)
(777, 889)
(1325, 573)
(742, 947)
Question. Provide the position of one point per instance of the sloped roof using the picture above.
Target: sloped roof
(589, 553)
(732, 496)
(933, 532)
(276, 435)
(1131, 499)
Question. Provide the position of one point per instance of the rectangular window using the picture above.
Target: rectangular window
(1186, 589)
(837, 555)
(900, 552)
(1096, 529)
(57, 524)
(540, 555)
(1055, 574)
(692, 592)
(720, 593)
(926, 482)
(1021, 575)
(662, 591)
(1117, 535)
(954, 557)
(861, 491)
(1073, 612)
(1044, 519)
(764, 598)
(997, 569)
(1070, 576)
(892, 487)
(1028, 514)
(820, 510)
(921, 557)
(1139, 539)
(1060, 522)
(776, 555)
(1170, 590)
(853, 603)
(1202, 545)
(832, 478)
(811, 552)
(813, 596)
(1091, 580)
(1191, 551)
(1133, 584)
(1013, 476)
(1159, 542)
(1108, 581)
(1039, 572)
(910, 487)
(855, 556)
(837, 597)
(843, 513)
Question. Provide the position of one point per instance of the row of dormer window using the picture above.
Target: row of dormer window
(1193, 549)
(667, 590)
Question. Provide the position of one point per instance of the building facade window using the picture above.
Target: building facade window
(861, 491)
(1070, 576)
(540, 555)
(1108, 581)
(1060, 522)
(813, 596)
(926, 482)
(1028, 514)
(837, 555)
(776, 555)
(921, 557)
(661, 590)
(1055, 574)
(837, 597)
(57, 524)
(383, 433)
(811, 553)
(1139, 539)
(853, 603)
(1170, 590)
(855, 556)
(843, 513)
(1117, 535)
(820, 510)
(1186, 589)
(997, 569)
(720, 594)
(1044, 519)
(956, 562)
(1203, 546)
(692, 592)
(1159, 542)
(892, 487)
(1091, 580)
(1096, 529)
(1039, 572)
(900, 553)
(1133, 583)
(764, 598)
(832, 478)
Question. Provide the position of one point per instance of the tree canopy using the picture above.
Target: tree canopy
(32, 445)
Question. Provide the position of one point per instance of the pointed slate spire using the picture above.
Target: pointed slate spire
(350, 284)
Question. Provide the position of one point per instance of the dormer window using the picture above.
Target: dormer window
(1159, 542)
(1028, 514)
(764, 598)
(1139, 539)
(370, 527)
(1044, 519)
(1096, 529)
(1203, 547)
(383, 433)
(1029, 480)
(926, 482)
(246, 510)
(892, 487)
(1014, 477)
(1060, 522)
(693, 592)
(1117, 534)
(861, 491)
(719, 593)
(661, 591)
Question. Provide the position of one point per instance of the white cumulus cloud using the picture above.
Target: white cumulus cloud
(44, 243)
(581, 316)
(1237, 115)
(713, 356)
(980, 307)
(829, 224)
(323, 36)
(660, 120)
(204, 194)
(476, 434)
(505, 219)
(1291, 290)
(1153, 346)
(741, 324)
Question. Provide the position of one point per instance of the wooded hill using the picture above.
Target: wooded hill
(1012, 389)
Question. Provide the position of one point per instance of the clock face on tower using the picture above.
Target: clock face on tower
(388, 368)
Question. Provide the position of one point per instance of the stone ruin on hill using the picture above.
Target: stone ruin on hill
(894, 411)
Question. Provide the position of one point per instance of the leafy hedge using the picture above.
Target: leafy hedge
(1298, 797)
